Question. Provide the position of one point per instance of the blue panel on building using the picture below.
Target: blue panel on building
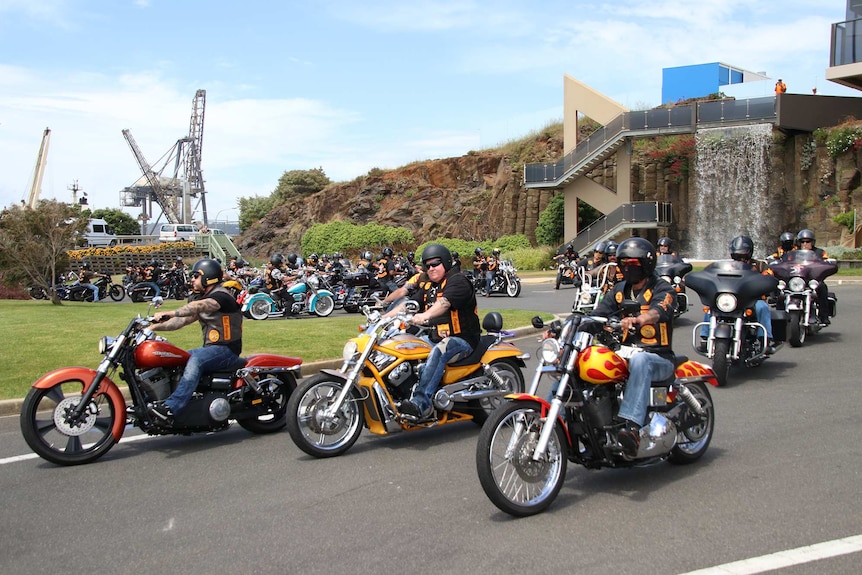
(685, 82)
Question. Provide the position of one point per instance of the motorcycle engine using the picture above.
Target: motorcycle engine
(157, 383)
(599, 405)
(401, 379)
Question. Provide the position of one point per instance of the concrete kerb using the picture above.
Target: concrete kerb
(13, 406)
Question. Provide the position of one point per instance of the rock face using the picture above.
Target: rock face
(480, 196)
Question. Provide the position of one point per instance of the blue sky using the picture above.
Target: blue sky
(349, 85)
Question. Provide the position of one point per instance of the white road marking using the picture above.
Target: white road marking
(17, 458)
(786, 558)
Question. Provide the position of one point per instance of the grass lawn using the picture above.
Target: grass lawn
(37, 337)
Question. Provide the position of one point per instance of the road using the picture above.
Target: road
(783, 472)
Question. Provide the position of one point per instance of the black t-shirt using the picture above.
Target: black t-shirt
(462, 318)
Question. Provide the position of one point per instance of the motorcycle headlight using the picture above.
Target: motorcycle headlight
(813, 284)
(105, 344)
(726, 302)
(781, 284)
(796, 284)
(549, 351)
(349, 350)
(677, 279)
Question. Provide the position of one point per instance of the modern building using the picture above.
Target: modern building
(700, 80)
(845, 55)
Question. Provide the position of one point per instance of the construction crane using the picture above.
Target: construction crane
(39, 172)
(187, 180)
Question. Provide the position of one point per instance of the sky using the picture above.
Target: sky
(347, 85)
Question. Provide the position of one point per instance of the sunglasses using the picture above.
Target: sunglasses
(434, 264)
(631, 262)
(806, 241)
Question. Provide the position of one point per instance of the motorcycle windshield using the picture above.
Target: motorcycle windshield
(805, 264)
(729, 276)
(670, 265)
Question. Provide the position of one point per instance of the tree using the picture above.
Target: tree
(253, 209)
(34, 242)
(550, 229)
(300, 183)
(123, 223)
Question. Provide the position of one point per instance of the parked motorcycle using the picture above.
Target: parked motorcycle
(106, 287)
(74, 415)
(673, 269)
(525, 446)
(381, 366)
(304, 296)
(506, 280)
(799, 275)
(729, 290)
(61, 286)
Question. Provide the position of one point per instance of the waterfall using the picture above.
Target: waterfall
(731, 190)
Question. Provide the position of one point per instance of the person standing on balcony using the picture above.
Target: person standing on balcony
(780, 87)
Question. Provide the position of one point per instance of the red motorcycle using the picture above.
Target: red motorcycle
(74, 415)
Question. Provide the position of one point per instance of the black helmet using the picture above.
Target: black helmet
(85, 266)
(291, 259)
(478, 251)
(640, 249)
(569, 248)
(455, 256)
(313, 258)
(805, 234)
(786, 240)
(741, 248)
(601, 247)
(411, 256)
(388, 252)
(277, 260)
(432, 251)
(665, 241)
(612, 248)
(210, 270)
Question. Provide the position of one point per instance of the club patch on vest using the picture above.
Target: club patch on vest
(213, 335)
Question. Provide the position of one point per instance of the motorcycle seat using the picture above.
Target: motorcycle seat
(485, 342)
(230, 371)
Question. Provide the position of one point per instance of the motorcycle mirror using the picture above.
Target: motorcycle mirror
(537, 322)
(158, 301)
(412, 306)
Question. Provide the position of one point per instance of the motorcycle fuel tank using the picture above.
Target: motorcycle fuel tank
(152, 354)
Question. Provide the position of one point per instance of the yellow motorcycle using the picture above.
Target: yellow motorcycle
(381, 366)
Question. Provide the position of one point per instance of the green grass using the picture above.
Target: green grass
(37, 337)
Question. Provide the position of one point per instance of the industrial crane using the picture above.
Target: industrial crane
(166, 201)
(39, 172)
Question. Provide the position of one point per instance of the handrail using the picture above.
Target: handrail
(678, 119)
(631, 215)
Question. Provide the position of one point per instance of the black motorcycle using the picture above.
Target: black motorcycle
(734, 336)
(362, 289)
(673, 269)
(800, 274)
(107, 288)
(506, 281)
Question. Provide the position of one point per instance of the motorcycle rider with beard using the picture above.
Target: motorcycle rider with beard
(652, 332)
(221, 323)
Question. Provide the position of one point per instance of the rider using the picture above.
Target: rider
(654, 333)
(456, 262)
(742, 250)
(386, 271)
(805, 241)
(221, 323)
(447, 301)
(785, 246)
(480, 264)
(493, 262)
(597, 259)
(85, 279)
(665, 247)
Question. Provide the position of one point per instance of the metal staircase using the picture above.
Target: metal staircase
(217, 244)
(638, 215)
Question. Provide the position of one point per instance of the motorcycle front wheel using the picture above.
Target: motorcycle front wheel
(513, 382)
(692, 442)
(721, 361)
(324, 305)
(49, 431)
(513, 288)
(510, 477)
(259, 309)
(116, 292)
(796, 331)
(559, 280)
(37, 292)
(312, 429)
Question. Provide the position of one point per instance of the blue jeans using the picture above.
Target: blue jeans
(644, 368)
(448, 349)
(761, 311)
(203, 360)
(489, 281)
(93, 289)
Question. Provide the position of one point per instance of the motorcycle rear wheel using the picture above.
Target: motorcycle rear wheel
(53, 438)
(513, 381)
(310, 431)
(513, 288)
(324, 305)
(275, 405)
(558, 281)
(259, 309)
(721, 361)
(116, 292)
(511, 479)
(693, 442)
(796, 331)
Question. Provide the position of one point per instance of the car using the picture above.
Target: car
(178, 233)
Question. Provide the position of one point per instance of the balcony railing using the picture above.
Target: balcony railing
(846, 43)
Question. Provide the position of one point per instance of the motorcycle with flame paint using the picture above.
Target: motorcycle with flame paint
(74, 415)
(525, 446)
(381, 366)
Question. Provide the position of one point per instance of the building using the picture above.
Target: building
(700, 80)
(845, 55)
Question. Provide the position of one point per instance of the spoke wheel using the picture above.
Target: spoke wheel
(513, 382)
(259, 309)
(324, 305)
(50, 431)
(692, 442)
(510, 477)
(116, 292)
(721, 361)
(796, 332)
(513, 288)
(315, 432)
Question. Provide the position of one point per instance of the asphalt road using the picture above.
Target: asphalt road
(783, 472)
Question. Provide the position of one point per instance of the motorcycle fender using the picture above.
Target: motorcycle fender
(85, 375)
(254, 297)
(545, 407)
(793, 305)
(321, 292)
(723, 331)
(692, 371)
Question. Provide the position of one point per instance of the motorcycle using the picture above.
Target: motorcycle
(304, 296)
(525, 446)
(505, 280)
(729, 290)
(74, 415)
(381, 366)
(591, 285)
(362, 290)
(107, 288)
(174, 285)
(61, 286)
(673, 269)
(799, 275)
(565, 273)
(140, 290)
